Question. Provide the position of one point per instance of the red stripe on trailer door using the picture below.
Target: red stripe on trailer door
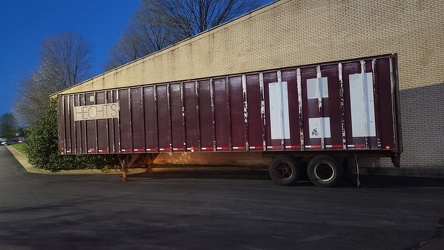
(223, 148)
(207, 149)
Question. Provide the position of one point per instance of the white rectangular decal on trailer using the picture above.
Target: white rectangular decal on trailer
(279, 115)
(319, 127)
(96, 112)
(362, 105)
(317, 89)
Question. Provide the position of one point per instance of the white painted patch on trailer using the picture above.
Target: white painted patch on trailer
(279, 115)
(96, 112)
(317, 125)
(317, 90)
(362, 105)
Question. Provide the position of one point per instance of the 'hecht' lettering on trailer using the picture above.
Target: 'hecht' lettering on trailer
(95, 112)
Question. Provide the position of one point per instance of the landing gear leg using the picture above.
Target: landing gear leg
(126, 164)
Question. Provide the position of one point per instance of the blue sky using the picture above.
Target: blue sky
(25, 23)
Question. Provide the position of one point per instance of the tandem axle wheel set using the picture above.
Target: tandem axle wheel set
(322, 170)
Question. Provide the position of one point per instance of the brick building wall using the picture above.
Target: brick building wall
(297, 32)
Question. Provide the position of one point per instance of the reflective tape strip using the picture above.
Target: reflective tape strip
(256, 147)
(274, 147)
(223, 148)
(239, 148)
(313, 146)
(178, 149)
(293, 147)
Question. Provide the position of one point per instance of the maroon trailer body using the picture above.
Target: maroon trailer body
(322, 113)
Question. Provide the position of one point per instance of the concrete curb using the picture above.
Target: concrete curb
(23, 160)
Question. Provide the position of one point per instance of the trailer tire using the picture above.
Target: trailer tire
(285, 170)
(324, 171)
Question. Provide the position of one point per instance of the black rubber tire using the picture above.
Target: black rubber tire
(325, 171)
(285, 170)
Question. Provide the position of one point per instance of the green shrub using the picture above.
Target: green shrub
(42, 147)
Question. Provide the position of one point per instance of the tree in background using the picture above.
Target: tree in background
(8, 126)
(191, 17)
(64, 61)
(160, 23)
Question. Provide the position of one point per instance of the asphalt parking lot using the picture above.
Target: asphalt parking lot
(214, 210)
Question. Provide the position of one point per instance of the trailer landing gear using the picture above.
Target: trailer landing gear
(127, 161)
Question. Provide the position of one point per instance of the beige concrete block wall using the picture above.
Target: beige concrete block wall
(297, 32)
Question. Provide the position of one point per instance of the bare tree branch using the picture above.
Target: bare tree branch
(64, 61)
(160, 23)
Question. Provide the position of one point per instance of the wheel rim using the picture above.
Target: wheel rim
(324, 172)
(283, 171)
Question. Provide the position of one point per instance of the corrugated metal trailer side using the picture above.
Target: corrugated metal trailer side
(333, 109)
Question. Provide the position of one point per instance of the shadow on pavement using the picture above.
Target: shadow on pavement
(384, 181)
(212, 174)
(349, 181)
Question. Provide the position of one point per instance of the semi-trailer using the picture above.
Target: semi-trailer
(309, 118)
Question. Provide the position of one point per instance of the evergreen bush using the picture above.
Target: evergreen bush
(42, 147)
